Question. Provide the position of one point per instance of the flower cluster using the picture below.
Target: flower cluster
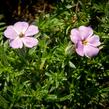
(85, 41)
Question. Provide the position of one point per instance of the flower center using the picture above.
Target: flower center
(21, 35)
(84, 42)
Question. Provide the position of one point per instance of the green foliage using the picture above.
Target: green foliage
(52, 75)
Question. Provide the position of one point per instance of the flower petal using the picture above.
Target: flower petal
(30, 41)
(16, 43)
(90, 51)
(94, 40)
(80, 48)
(75, 36)
(85, 32)
(10, 33)
(32, 30)
(21, 27)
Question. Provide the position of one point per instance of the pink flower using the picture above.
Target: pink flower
(21, 33)
(85, 41)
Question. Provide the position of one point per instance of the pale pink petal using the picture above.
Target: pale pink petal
(80, 48)
(85, 32)
(94, 40)
(30, 41)
(10, 33)
(32, 30)
(90, 51)
(16, 43)
(21, 27)
(75, 36)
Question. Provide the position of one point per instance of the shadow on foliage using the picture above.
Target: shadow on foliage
(26, 10)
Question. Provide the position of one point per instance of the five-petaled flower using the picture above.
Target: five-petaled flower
(85, 41)
(21, 33)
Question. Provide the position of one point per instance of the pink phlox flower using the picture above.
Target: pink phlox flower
(21, 33)
(85, 41)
